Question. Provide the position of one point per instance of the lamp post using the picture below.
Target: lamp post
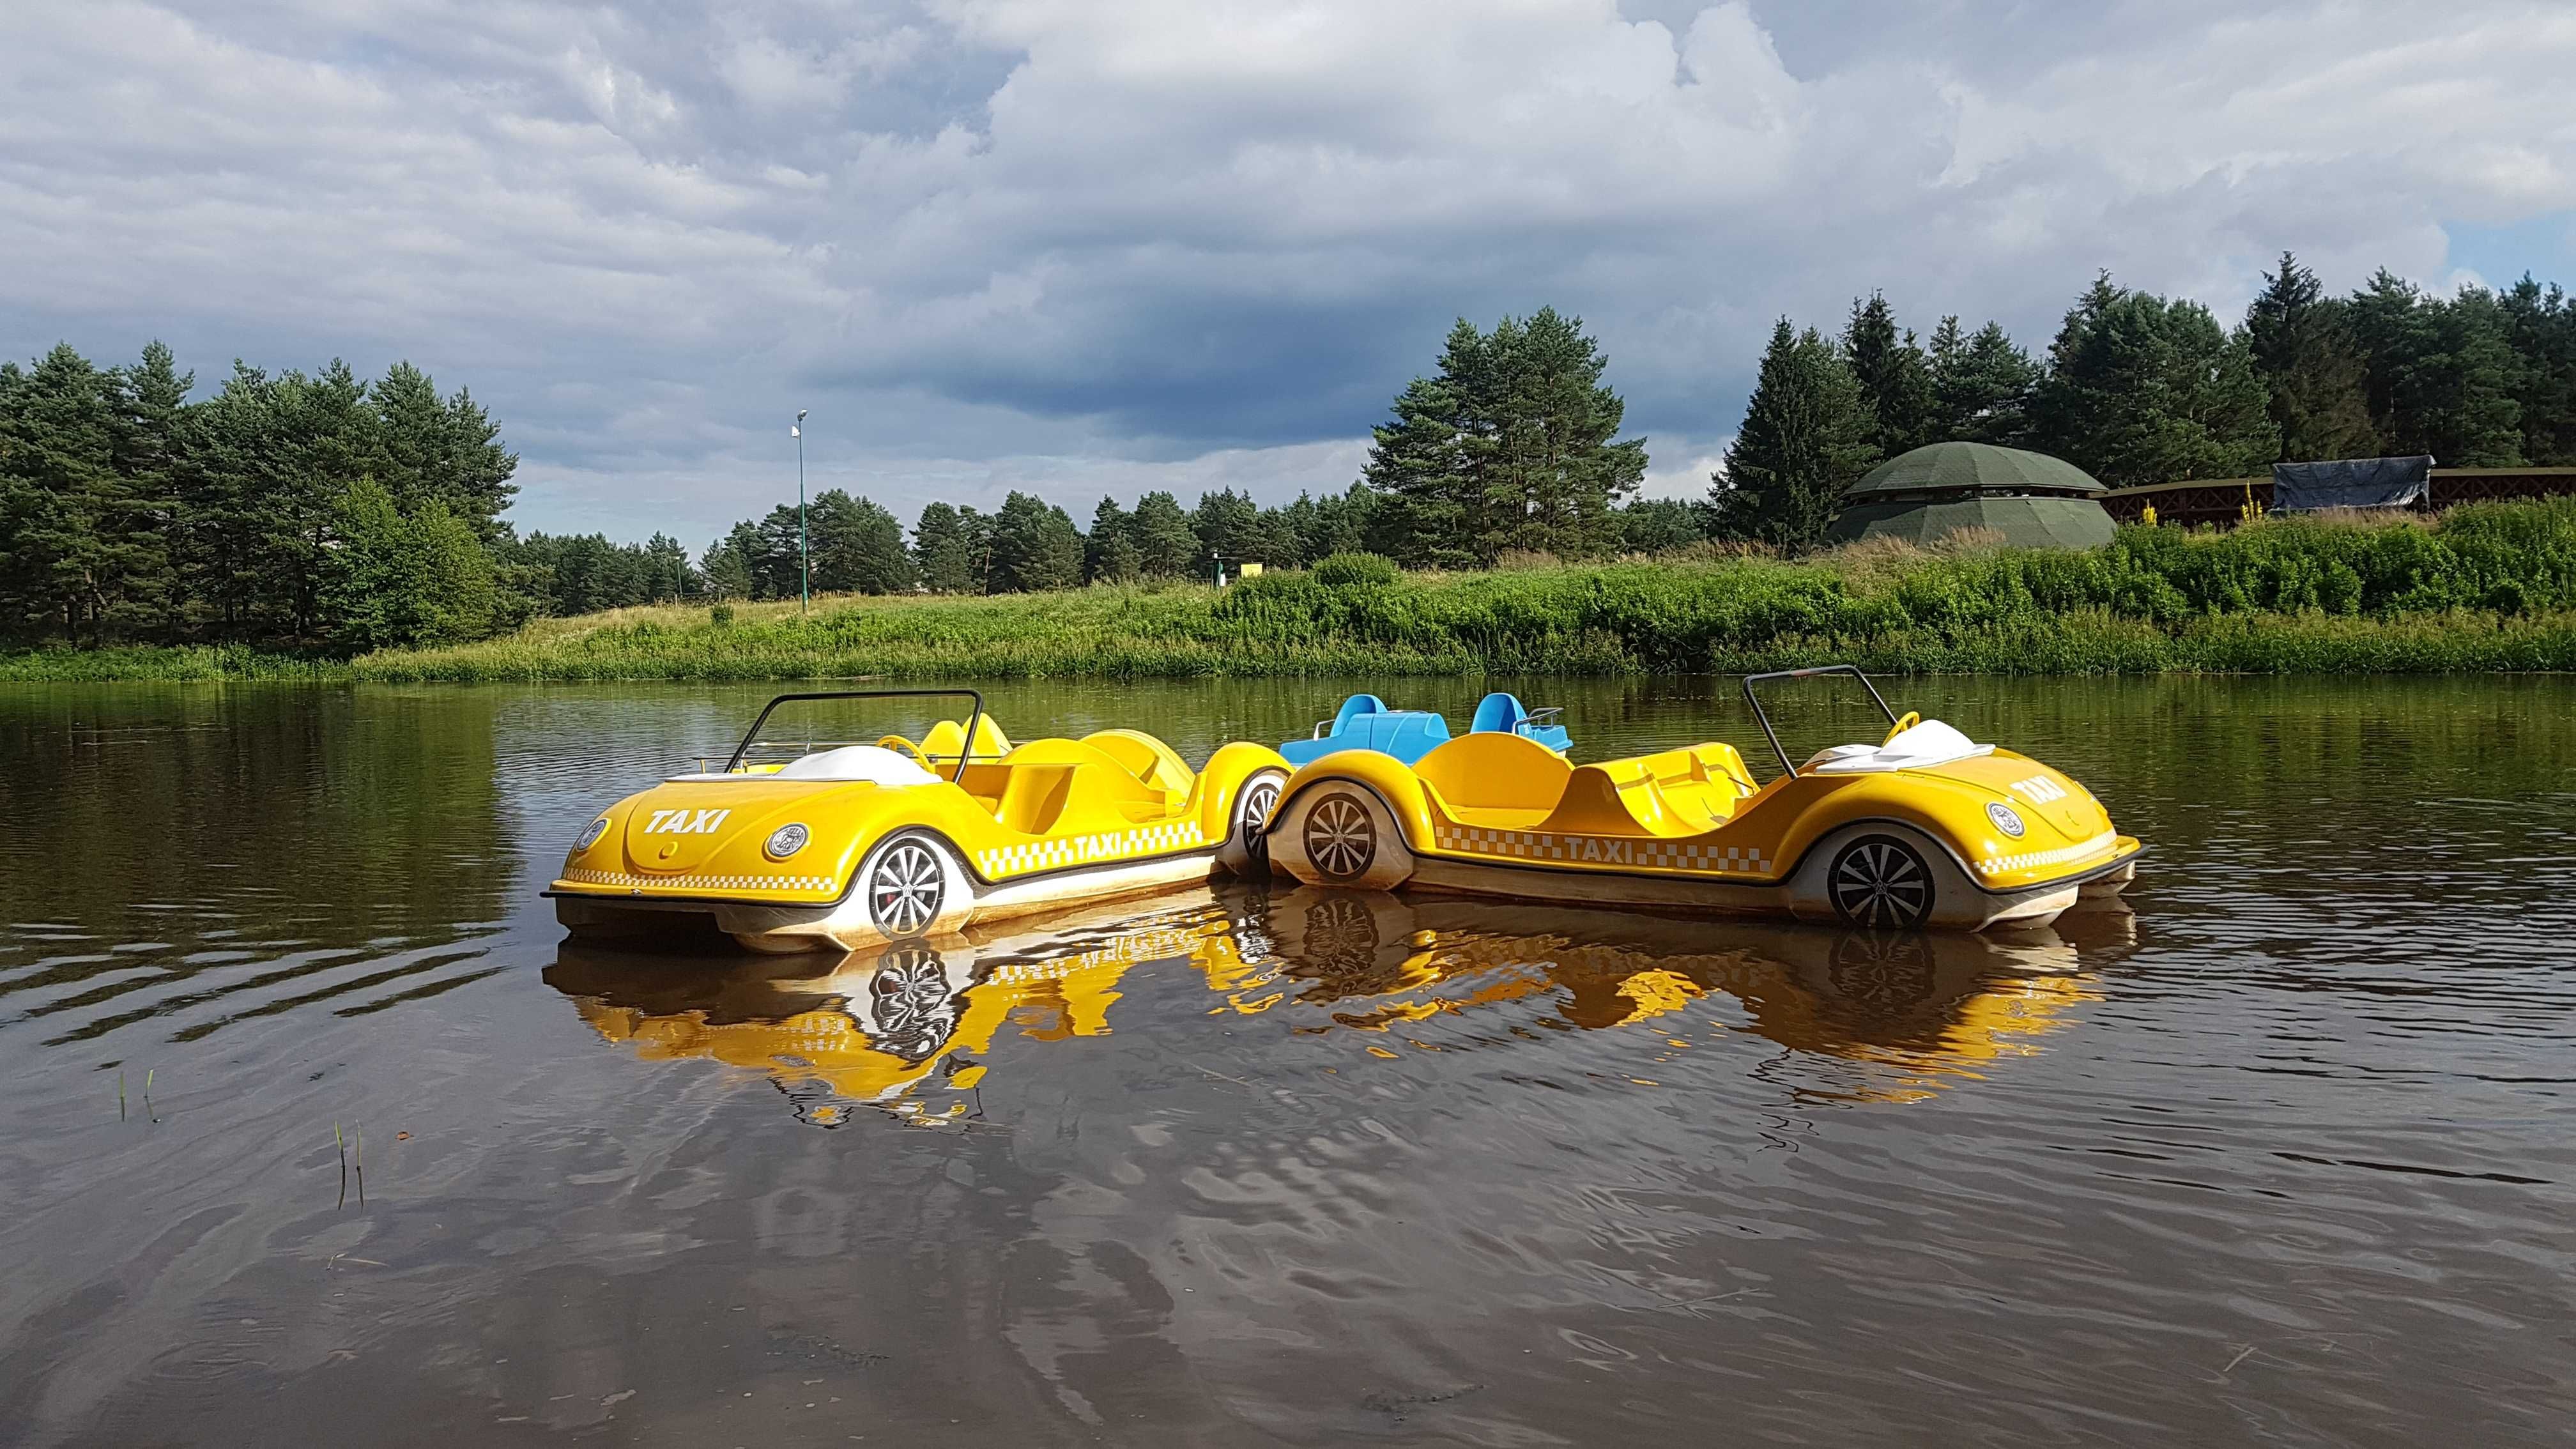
(804, 553)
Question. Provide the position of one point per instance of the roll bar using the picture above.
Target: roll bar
(752, 736)
(1773, 735)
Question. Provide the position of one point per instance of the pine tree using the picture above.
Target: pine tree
(952, 548)
(727, 565)
(1421, 465)
(2305, 355)
(1893, 375)
(1111, 545)
(1334, 523)
(1982, 386)
(2541, 326)
(1805, 439)
(857, 546)
(1511, 446)
(83, 545)
(2143, 390)
(1035, 547)
(1166, 546)
(1654, 525)
(2443, 375)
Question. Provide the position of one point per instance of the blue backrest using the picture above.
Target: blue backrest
(1498, 713)
(1356, 706)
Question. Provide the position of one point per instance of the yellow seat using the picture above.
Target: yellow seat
(948, 737)
(1063, 786)
(1507, 782)
(1149, 759)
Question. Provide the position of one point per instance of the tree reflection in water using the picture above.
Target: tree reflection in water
(906, 1030)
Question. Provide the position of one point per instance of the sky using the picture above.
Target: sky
(1080, 248)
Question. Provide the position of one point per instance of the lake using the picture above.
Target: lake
(314, 1129)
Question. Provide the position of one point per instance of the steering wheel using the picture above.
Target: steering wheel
(898, 742)
(1912, 718)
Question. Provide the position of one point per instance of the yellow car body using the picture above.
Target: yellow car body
(861, 845)
(1926, 829)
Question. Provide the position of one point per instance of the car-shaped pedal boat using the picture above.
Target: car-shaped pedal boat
(1365, 723)
(1924, 829)
(796, 846)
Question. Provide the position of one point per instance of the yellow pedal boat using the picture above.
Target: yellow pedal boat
(1925, 829)
(806, 846)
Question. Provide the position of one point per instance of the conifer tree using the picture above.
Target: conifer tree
(2305, 355)
(1035, 547)
(1512, 446)
(2143, 390)
(1982, 385)
(2541, 326)
(857, 546)
(1110, 547)
(1805, 438)
(2442, 373)
(1893, 375)
(1166, 546)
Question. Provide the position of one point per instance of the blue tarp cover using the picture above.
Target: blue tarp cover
(2351, 483)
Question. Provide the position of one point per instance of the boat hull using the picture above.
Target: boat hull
(1398, 858)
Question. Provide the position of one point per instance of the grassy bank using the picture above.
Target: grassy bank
(2487, 587)
(187, 663)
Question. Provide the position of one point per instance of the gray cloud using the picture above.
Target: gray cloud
(1077, 247)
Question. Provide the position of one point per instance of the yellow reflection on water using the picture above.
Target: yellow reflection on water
(906, 1030)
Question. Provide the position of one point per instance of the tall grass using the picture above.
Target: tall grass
(181, 663)
(2484, 587)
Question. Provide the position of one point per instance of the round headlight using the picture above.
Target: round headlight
(590, 837)
(785, 841)
(2005, 818)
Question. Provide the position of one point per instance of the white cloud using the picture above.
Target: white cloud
(1052, 243)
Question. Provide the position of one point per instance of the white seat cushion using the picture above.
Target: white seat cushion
(1926, 744)
(874, 764)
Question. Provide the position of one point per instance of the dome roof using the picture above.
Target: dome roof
(1944, 466)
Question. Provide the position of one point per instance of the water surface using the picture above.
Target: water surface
(2281, 1153)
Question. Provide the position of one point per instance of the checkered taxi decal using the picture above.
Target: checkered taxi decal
(1603, 850)
(1125, 951)
(705, 882)
(2035, 859)
(1115, 845)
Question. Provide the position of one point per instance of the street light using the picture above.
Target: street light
(804, 554)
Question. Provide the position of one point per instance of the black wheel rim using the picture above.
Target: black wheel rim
(1341, 840)
(1881, 883)
(1258, 802)
(906, 889)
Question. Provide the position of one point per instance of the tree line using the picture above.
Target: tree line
(328, 512)
(2138, 388)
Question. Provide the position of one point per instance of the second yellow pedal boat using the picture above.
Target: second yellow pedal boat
(1927, 828)
(797, 844)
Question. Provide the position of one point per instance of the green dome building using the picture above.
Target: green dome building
(2032, 499)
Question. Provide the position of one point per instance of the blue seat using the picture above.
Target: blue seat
(1500, 713)
(1365, 723)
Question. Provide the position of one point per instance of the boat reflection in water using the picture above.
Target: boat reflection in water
(906, 1029)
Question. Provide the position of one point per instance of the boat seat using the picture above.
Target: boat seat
(1677, 792)
(1501, 780)
(1046, 784)
(1156, 764)
(948, 737)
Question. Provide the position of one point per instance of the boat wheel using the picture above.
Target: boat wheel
(1341, 840)
(1259, 799)
(1880, 882)
(906, 888)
